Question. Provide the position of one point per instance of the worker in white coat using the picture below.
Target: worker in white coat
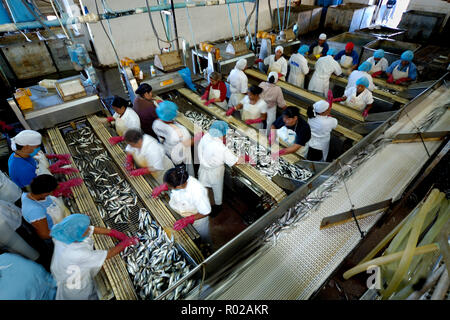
(277, 63)
(175, 138)
(362, 71)
(75, 263)
(273, 96)
(124, 118)
(188, 197)
(321, 125)
(9, 191)
(148, 153)
(318, 48)
(254, 108)
(324, 68)
(298, 67)
(238, 83)
(358, 97)
(379, 63)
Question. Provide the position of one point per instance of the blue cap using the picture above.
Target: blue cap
(167, 110)
(331, 52)
(378, 54)
(218, 129)
(71, 228)
(408, 55)
(365, 66)
(363, 81)
(303, 49)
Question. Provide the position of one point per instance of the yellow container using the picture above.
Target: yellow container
(22, 97)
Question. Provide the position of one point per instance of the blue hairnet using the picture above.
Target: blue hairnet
(365, 66)
(378, 54)
(331, 52)
(363, 81)
(71, 228)
(408, 55)
(218, 129)
(303, 49)
(167, 110)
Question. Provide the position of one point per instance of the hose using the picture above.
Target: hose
(247, 21)
(231, 21)
(279, 20)
(193, 36)
(246, 28)
(158, 39)
(289, 15)
(162, 22)
(270, 13)
(239, 21)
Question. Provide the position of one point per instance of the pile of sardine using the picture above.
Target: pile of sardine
(114, 196)
(242, 145)
(155, 263)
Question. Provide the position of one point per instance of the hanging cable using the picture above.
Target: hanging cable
(289, 15)
(231, 20)
(284, 16)
(162, 22)
(279, 20)
(193, 36)
(247, 21)
(239, 22)
(270, 13)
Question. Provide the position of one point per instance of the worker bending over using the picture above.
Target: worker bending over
(379, 64)
(254, 108)
(358, 97)
(361, 72)
(324, 68)
(124, 118)
(298, 67)
(403, 70)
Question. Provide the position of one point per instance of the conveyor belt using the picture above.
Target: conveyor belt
(344, 110)
(247, 170)
(157, 208)
(115, 267)
(220, 114)
(305, 256)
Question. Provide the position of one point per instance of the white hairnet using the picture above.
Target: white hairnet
(241, 64)
(323, 36)
(279, 48)
(275, 74)
(320, 106)
(26, 138)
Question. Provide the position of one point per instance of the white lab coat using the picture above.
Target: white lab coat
(172, 136)
(253, 111)
(321, 127)
(381, 65)
(129, 120)
(279, 66)
(9, 191)
(74, 267)
(298, 69)
(238, 86)
(213, 155)
(358, 102)
(324, 68)
(355, 75)
(153, 156)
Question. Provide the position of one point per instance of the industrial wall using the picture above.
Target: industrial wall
(438, 6)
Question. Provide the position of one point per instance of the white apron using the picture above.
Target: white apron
(251, 111)
(215, 94)
(356, 102)
(42, 164)
(317, 50)
(57, 211)
(397, 74)
(346, 61)
(276, 67)
(235, 99)
(121, 126)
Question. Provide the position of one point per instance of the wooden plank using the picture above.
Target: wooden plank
(344, 110)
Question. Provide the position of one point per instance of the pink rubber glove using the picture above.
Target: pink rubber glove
(401, 80)
(159, 189)
(129, 164)
(231, 111)
(248, 159)
(207, 103)
(64, 188)
(128, 242)
(116, 140)
(365, 113)
(338, 99)
(278, 154)
(139, 172)
(198, 136)
(330, 98)
(258, 61)
(205, 96)
(159, 101)
(377, 74)
(390, 78)
(183, 223)
(118, 235)
(4, 127)
(252, 121)
(65, 156)
(110, 119)
(280, 75)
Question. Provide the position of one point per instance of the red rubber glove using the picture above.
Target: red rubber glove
(280, 75)
(248, 159)
(258, 61)
(377, 74)
(116, 140)
(205, 96)
(365, 113)
(159, 189)
(390, 78)
(272, 137)
(110, 119)
(231, 111)
(64, 188)
(118, 235)
(128, 242)
(129, 164)
(183, 223)
(52, 156)
(278, 154)
(139, 172)
(4, 127)
(330, 98)
(338, 99)
(252, 121)
(401, 80)
(198, 136)
(207, 103)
